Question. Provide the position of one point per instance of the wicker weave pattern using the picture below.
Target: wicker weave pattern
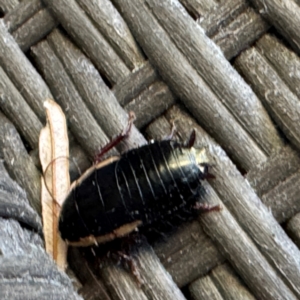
(217, 66)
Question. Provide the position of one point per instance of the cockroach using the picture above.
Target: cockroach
(142, 186)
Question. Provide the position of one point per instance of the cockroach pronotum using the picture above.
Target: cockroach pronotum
(142, 186)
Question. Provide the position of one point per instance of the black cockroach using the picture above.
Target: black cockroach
(141, 187)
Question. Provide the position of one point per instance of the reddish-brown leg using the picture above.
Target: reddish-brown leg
(205, 207)
(115, 141)
(129, 260)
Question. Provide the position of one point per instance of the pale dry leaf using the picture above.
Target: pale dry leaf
(54, 153)
(46, 198)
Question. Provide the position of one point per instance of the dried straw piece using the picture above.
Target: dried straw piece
(54, 147)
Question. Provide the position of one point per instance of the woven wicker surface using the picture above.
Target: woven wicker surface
(230, 69)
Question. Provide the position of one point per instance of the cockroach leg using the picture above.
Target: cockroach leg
(190, 143)
(115, 141)
(123, 253)
(205, 207)
(130, 262)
